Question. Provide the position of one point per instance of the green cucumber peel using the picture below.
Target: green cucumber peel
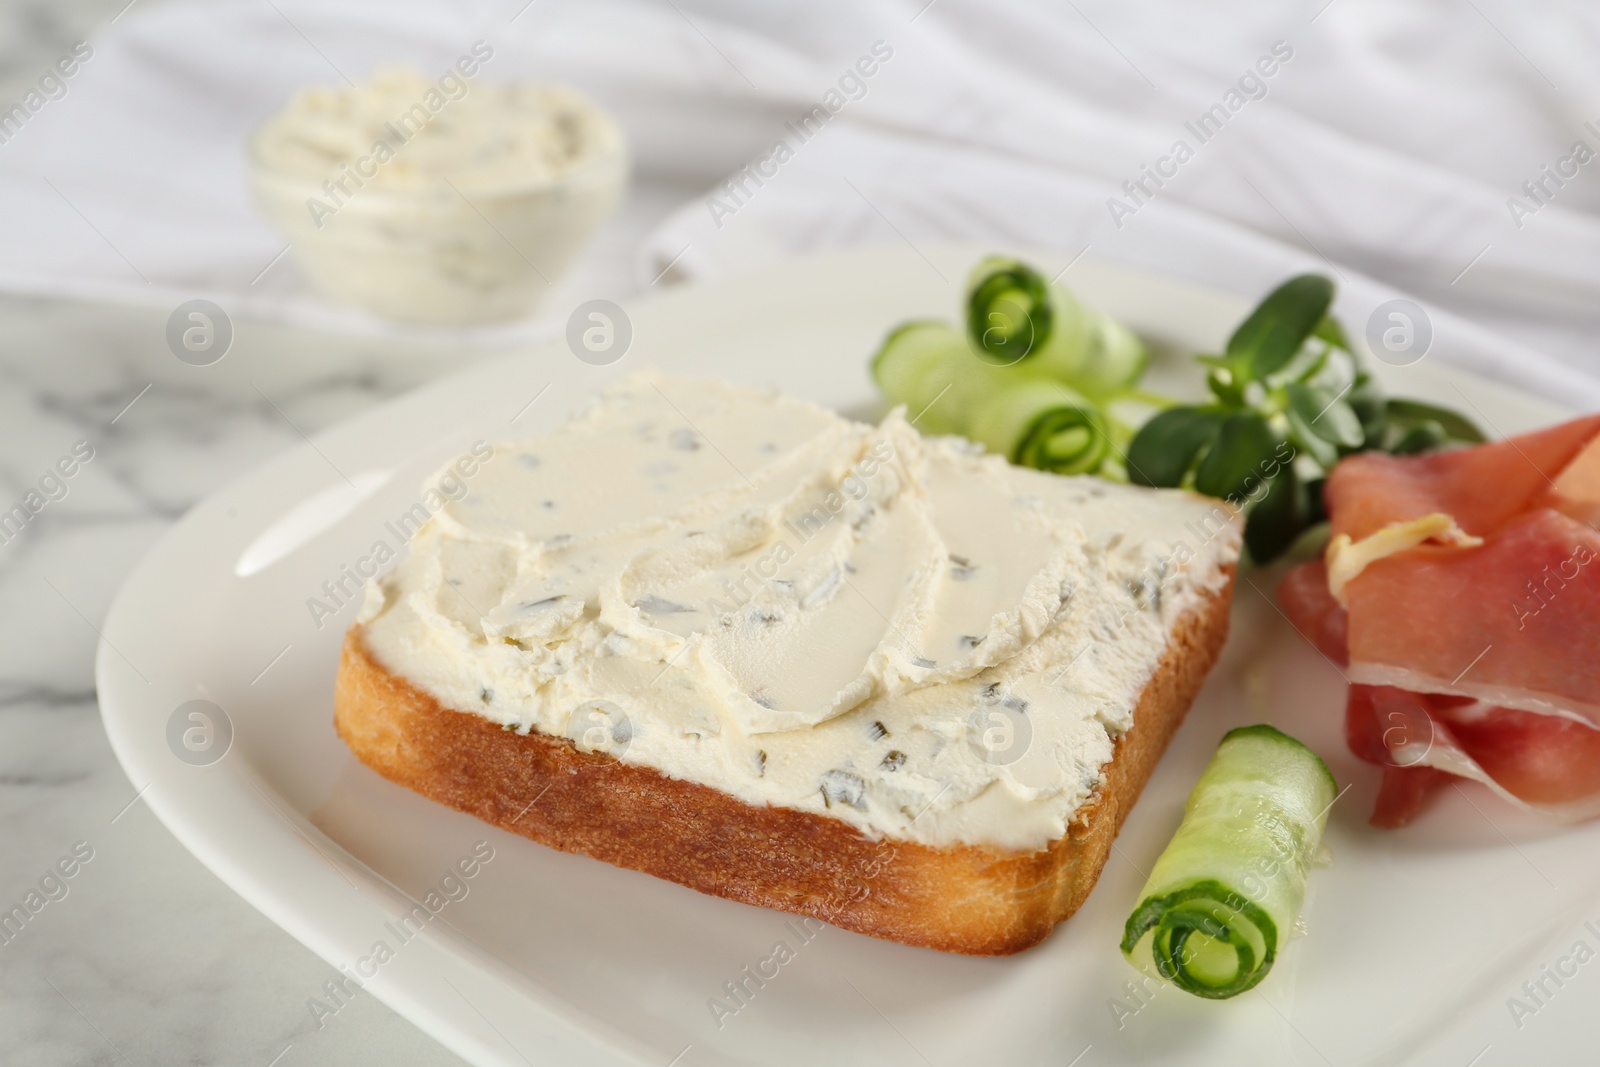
(1223, 916)
(1287, 376)
(1016, 319)
(1010, 313)
(1045, 425)
(1231, 882)
(927, 366)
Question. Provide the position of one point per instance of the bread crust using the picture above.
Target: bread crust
(970, 899)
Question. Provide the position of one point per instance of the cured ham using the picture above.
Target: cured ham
(1544, 763)
(1485, 487)
(1514, 622)
(1313, 610)
(1479, 657)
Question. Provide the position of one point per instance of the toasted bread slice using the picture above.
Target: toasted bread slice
(971, 899)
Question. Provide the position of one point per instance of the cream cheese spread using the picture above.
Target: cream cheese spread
(746, 591)
(404, 130)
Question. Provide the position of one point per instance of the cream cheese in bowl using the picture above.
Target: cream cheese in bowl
(439, 199)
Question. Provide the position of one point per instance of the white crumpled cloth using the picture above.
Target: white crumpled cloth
(1389, 146)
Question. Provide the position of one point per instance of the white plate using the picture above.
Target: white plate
(1417, 937)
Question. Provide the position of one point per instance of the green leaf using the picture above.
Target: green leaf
(1308, 440)
(1366, 400)
(1226, 387)
(1244, 446)
(1342, 425)
(1330, 331)
(1325, 414)
(1275, 522)
(1423, 437)
(1306, 364)
(1408, 413)
(1316, 505)
(1164, 449)
(1277, 328)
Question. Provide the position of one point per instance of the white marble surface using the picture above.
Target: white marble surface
(149, 959)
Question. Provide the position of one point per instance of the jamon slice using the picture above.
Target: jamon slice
(1543, 763)
(1303, 595)
(1485, 488)
(1480, 662)
(1515, 621)
(1395, 730)
(1546, 763)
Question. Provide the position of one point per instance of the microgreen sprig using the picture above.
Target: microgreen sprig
(1289, 400)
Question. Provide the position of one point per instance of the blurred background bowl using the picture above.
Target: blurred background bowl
(445, 254)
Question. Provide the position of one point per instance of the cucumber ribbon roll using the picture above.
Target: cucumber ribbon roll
(1043, 425)
(1227, 890)
(930, 368)
(1016, 319)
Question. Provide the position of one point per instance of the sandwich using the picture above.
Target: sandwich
(739, 642)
